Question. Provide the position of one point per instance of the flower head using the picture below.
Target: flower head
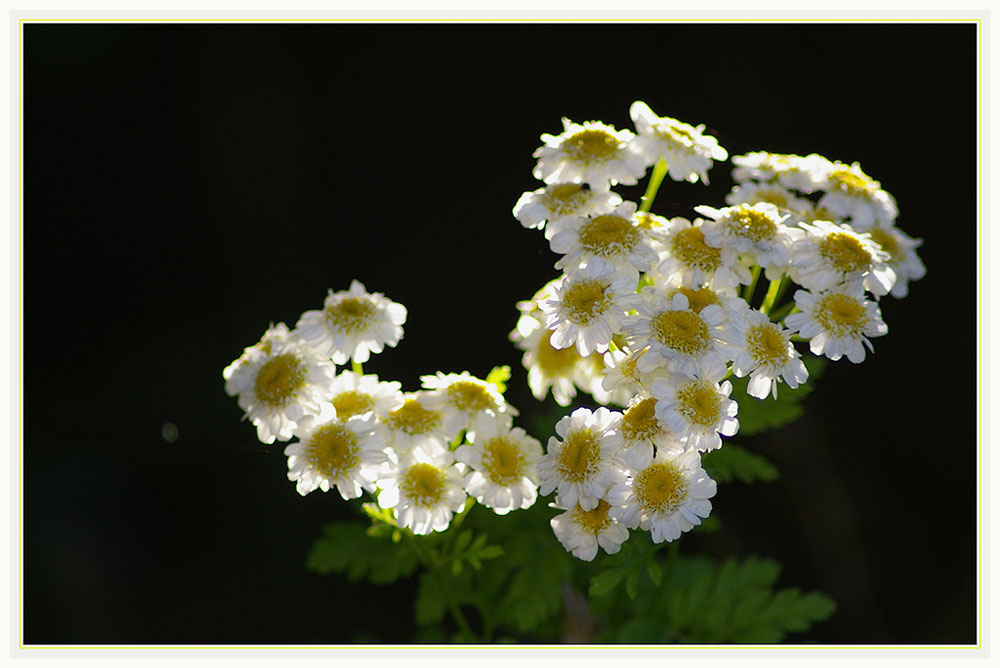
(830, 254)
(593, 153)
(586, 309)
(615, 238)
(579, 464)
(331, 452)
(837, 322)
(764, 350)
(688, 151)
(581, 531)
(424, 489)
(549, 208)
(503, 465)
(697, 410)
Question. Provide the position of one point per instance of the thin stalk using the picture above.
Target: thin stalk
(357, 368)
(783, 312)
(772, 294)
(748, 293)
(659, 171)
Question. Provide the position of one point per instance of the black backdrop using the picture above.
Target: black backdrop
(185, 185)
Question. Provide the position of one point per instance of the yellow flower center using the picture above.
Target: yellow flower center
(841, 315)
(579, 456)
(608, 235)
(565, 198)
(413, 418)
(468, 396)
(887, 242)
(698, 299)
(424, 484)
(591, 145)
(751, 224)
(767, 344)
(503, 462)
(700, 403)
(683, 331)
(593, 521)
(853, 183)
(774, 197)
(352, 315)
(649, 221)
(279, 379)
(333, 450)
(689, 246)
(556, 361)
(844, 252)
(351, 403)
(587, 299)
(639, 422)
(661, 488)
(677, 137)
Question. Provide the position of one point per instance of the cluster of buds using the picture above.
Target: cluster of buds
(654, 314)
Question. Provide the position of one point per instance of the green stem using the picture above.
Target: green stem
(659, 171)
(457, 522)
(356, 368)
(456, 612)
(458, 440)
(772, 294)
(783, 312)
(748, 293)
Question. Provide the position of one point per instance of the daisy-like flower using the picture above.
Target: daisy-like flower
(549, 207)
(580, 467)
(424, 489)
(357, 395)
(462, 399)
(548, 367)
(278, 382)
(688, 260)
(903, 258)
(586, 309)
(622, 380)
(830, 254)
(850, 193)
(613, 237)
(793, 171)
(764, 350)
(353, 324)
(504, 467)
(752, 192)
(689, 152)
(666, 496)
(415, 423)
(837, 322)
(593, 153)
(642, 432)
(675, 336)
(699, 298)
(757, 230)
(331, 452)
(697, 410)
(581, 531)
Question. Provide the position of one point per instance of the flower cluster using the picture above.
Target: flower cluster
(420, 454)
(653, 314)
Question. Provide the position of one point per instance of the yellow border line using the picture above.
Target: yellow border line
(20, 216)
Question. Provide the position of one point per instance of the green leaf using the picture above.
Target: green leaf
(534, 593)
(499, 375)
(347, 547)
(759, 415)
(734, 462)
(627, 565)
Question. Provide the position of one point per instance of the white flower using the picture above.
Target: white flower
(793, 171)
(642, 432)
(665, 496)
(837, 322)
(587, 309)
(353, 324)
(416, 424)
(462, 399)
(548, 367)
(752, 192)
(697, 410)
(622, 379)
(504, 463)
(764, 350)
(582, 531)
(549, 207)
(831, 254)
(580, 467)
(425, 490)
(675, 336)
(357, 395)
(688, 151)
(689, 261)
(278, 382)
(903, 258)
(850, 193)
(593, 153)
(331, 452)
(613, 237)
(757, 230)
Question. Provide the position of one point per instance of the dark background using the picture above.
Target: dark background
(185, 185)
